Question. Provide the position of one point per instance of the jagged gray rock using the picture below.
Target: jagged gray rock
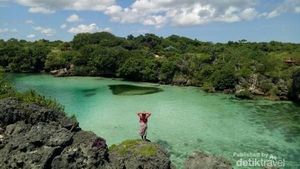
(37, 137)
(83, 152)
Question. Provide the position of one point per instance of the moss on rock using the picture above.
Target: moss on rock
(137, 154)
(136, 147)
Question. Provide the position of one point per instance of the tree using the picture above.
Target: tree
(139, 68)
(224, 78)
(295, 89)
(167, 70)
(55, 60)
(100, 38)
(106, 61)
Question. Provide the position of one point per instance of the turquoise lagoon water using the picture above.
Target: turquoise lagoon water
(184, 119)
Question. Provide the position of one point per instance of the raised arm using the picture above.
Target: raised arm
(139, 114)
(148, 115)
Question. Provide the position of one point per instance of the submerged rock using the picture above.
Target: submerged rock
(132, 90)
(199, 160)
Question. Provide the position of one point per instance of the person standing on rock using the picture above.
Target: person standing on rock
(143, 120)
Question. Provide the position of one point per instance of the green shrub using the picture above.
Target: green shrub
(55, 60)
(81, 70)
(33, 97)
(208, 87)
(245, 94)
(224, 78)
(6, 89)
(266, 86)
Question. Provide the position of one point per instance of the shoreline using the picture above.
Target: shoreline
(254, 97)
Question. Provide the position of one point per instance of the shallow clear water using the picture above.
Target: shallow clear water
(184, 119)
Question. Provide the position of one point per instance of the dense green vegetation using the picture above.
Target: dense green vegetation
(7, 90)
(253, 68)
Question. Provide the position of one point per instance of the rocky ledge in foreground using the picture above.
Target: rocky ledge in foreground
(39, 138)
(138, 154)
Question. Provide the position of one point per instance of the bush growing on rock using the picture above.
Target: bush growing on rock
(295, 88)
(208, 87)
(32, 96)
(245, 94)
(7, 90)
(224, 78)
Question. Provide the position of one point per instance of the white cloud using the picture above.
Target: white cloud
(7, 30)
(87, 29)
(29, 21)
(63, 26)
(285, 7)
(196, 14)
(40, 10)
(232, 14)
(297, 9)
(249, 14)
(45, 31)
(273, 14)
(155, 20)
(73, 18)
(162, 12)
(30, 36)
(50, 6)
(183, 12)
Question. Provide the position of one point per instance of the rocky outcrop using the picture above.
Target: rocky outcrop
(243, 94)
(136, 154)
(60, 72)
(68, 71)
(34, 137)
(86, 151)
(37, 137)
(259, 85)
(204, 161)
(179, 79)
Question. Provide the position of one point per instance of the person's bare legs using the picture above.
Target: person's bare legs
(145, 135)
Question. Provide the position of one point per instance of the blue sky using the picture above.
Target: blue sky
(206, 20)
